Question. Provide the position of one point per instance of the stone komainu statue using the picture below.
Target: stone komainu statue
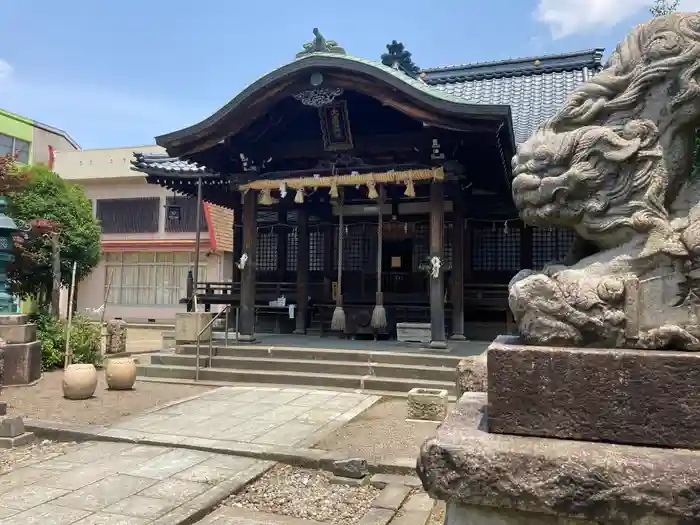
(615, 165)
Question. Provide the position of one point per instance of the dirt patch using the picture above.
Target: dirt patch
(381, 433)
(45, 400)
(305, 494)
(32, 453)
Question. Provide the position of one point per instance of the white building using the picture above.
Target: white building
(144, 254)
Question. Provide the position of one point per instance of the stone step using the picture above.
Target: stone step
(228, 375)
(313, 366)
(328, 354)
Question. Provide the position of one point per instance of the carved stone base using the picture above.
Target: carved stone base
(538, 478)
(644, 397)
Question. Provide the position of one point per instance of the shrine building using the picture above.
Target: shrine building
(371, 194)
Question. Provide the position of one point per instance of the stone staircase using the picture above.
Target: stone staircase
(380, 371)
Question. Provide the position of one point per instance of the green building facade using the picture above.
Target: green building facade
(31, 141)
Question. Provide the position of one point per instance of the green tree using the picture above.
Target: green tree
(47, 202)
(664, 7)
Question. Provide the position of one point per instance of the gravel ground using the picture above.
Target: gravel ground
(45, 400)
(380, 433)
(437, 517)
(305, 494)
(37, 451)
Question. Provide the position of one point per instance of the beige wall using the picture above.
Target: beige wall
(108, 163)
(42, 139)
(107, 174)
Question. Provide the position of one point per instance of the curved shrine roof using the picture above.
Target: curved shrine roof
(526, 90)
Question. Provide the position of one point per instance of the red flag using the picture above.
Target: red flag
(52, 157)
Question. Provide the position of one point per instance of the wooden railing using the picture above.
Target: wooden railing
(413, 288)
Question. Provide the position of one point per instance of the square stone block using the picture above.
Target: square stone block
(587, 480)
(413, 332)
(644, 397)
(189, 324)
(11, 426)
(18, 333)
(22, 363)
(428, 404)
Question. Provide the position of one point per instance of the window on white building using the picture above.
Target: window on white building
(149, 278)
(14, 146)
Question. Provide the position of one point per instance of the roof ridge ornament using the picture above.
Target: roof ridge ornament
(320, 45)
(398, 57)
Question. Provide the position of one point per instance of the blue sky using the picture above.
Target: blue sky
(118, 73)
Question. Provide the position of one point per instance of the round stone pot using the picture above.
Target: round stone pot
(79, 381)
(120, 373)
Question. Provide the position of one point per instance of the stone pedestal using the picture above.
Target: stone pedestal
(12, 433)
(116, 336)
(639, 397)
(515, 480)
(189, 324)
(22, 352)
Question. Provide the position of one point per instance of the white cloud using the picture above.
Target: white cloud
(569, 17)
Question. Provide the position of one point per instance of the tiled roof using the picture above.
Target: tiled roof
(162, 163)
(416, 83)
(533, 87)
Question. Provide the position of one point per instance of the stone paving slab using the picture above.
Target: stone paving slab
(258, 415)
(122, 484)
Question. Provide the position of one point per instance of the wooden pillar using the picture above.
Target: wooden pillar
(282, 248)
(247, 315)
(457, 292)
(303, 256)
(237, 238)
(437, 284)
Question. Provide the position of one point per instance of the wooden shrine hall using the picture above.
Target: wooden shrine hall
(365, 195)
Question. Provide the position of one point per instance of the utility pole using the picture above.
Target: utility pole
(198, 237)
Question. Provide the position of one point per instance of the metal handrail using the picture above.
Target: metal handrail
(226, 310)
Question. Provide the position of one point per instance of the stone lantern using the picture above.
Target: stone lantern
(7, 229)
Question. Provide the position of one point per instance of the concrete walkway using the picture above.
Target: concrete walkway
(266, 416)
(106, 483)
(121, 484)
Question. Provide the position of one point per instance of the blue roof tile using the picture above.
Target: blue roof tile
(164, 164)
(533, 87)
(532, 98)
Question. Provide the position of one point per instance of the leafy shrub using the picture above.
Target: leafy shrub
(84, 340)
